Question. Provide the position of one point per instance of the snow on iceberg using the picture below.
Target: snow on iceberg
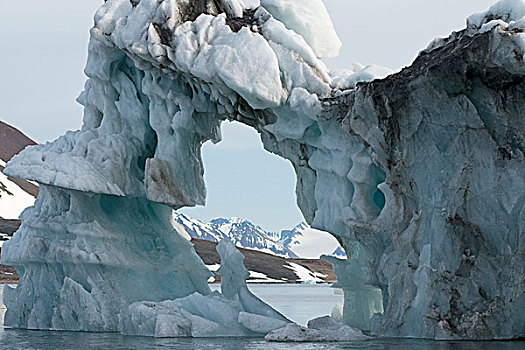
(348, 79)
(505, 11)
(310, 19)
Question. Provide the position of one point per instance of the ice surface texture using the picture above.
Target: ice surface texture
(420, 175)
(234, 312)
(84, 257)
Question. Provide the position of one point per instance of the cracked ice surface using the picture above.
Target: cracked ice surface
(419, 175)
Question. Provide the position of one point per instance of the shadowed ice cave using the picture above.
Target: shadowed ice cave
(417, 174)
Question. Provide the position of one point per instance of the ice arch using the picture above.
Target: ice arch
(244, 180)
(401, 170)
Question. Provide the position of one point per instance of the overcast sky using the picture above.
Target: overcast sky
(43, 52)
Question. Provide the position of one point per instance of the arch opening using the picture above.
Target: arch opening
(251, 191)
(244, 180)
(227, 167)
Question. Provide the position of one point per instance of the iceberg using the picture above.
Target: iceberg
(418, 174)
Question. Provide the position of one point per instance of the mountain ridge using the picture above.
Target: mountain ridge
(301, 241)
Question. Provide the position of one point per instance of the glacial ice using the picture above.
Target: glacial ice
(310, 19)
(321, 329)
(84, 257)
(233, 312)
(362, 300)
(419, 174)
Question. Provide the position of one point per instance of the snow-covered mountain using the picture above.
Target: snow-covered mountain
(300, 242)
(308, 242)
(241, 232)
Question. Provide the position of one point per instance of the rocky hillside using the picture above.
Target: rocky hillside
(12, 141)
(269, 268)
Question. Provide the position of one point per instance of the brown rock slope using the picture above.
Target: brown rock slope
(275, 267)
(12, 141)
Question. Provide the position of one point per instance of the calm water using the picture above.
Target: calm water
(298, 302)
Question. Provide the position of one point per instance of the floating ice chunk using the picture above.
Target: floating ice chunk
(295, 333)
(310, 19)
(204, 328)
(325, 322)
(236, 312)
(157, 92)
(505, 10)
(331, 325)
(214, 307)
(260, 324)
(232, 271)
(164, 319)
(196, 315)
(172, 325)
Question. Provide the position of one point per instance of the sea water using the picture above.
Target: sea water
(299, 302)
